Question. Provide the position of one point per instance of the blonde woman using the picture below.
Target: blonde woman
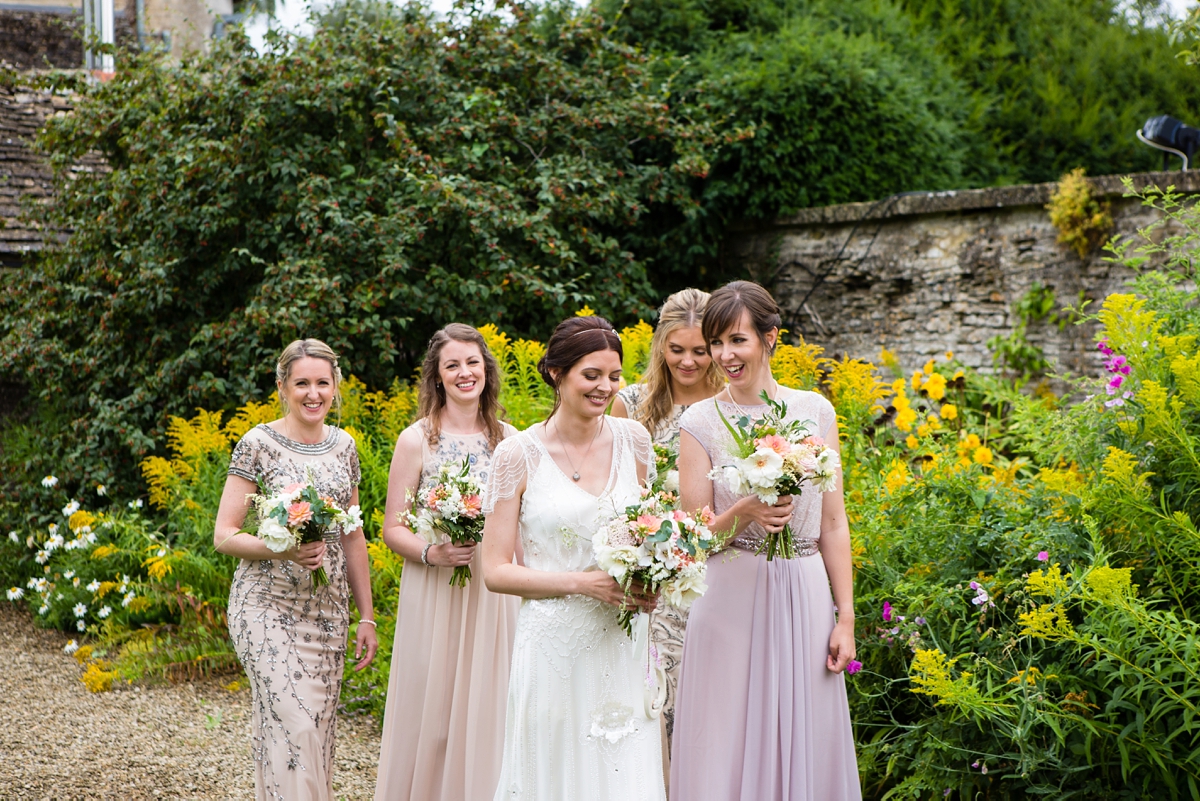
(289, 634)
(680, 373)
(443, 728)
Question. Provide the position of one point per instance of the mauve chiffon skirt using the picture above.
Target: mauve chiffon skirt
(758, 716)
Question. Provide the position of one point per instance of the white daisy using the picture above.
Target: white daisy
(12, 535)
(49, 481)
(80, 625)
(101, 489)
(43, 609)
(136, 503)
(127, 599)
(71, 647)
(42, 557)
(104, 612)
(16, 594)
(69, 574)
(53, 529)
(95, 585)
(70, 509)
(80, 609)
(75, 583)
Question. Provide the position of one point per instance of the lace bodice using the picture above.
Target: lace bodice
(703, 423)
(667, 433)
(558, 517)
(455, 448)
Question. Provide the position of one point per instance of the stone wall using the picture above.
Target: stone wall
(922, 273)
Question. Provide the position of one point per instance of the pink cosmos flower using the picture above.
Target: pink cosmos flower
(299, 513)
(1043, 556)
(775, 443)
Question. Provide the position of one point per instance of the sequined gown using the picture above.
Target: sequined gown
(289, 635)
(667, 623)
(576, 727)
(443, 728)
(758, 715)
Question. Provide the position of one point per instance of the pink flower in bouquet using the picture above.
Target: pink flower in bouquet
(813, 442)
(290, 488)
(649, 522)
(807, 462)
(299, 513)
(679, 514)
(707, 516)
(432, 498)
(472, 505)
(775, 443)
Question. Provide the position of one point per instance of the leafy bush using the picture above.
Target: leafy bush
(1083, 222)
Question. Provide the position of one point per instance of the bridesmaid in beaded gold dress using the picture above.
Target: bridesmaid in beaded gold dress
(443, 728)
(680, 373)
(289, 634)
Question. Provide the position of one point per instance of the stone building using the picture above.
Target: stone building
(921, 273)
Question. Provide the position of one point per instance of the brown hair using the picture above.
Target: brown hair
(684, 309)
(431, 395)
(302, 348)
(726, 305)
(574, 338)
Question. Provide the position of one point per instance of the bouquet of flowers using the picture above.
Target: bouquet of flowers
(300, 514)
(658, 545)
(453, 505)
(773, 456)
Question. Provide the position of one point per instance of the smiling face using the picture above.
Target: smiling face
(309, 390)
(590, 384)
(461, 371)
(686, 356)
(741, 354)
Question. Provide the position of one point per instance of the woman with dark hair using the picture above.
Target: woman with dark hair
(444, 723)
(761, 710)
(577, 726)
(680, 373)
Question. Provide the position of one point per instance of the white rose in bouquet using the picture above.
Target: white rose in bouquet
(275, 535)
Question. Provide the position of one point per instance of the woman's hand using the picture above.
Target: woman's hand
(309, 555)
(450, 555)
(841, 646)
(366, 643)
(604, 588)
(771, 518)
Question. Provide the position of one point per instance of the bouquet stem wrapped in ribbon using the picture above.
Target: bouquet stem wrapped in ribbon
(773, 457)
(451, 505)
(301, 514)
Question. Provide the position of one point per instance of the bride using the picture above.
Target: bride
(576, 725)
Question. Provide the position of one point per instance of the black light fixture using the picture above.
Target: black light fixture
(1172, 137)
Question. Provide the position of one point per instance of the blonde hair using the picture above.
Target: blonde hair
(684, 309)
(313, 348)
(431, 397)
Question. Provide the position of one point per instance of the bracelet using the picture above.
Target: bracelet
(425, 555)
(365, 620)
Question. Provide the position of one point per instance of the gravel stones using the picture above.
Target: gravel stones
(191, 740)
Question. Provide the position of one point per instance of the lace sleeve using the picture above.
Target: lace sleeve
(510, 467)
(631, 396)
(244, 462)
(643, 449)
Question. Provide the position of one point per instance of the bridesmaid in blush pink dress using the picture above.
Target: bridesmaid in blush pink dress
(443, 728)
(761, 711)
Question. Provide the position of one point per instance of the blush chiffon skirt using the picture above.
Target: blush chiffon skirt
(758, 715)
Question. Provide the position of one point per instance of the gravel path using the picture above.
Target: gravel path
(59, 741)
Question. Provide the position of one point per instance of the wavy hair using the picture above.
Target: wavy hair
(431, 395)
(684, 309)
(574, 338)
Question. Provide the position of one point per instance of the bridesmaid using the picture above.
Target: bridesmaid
(443, 728)
(681, 372)
(290, 635)
(762, 710)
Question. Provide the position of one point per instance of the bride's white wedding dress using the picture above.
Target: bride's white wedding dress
(576, 726)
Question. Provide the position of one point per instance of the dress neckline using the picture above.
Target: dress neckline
(313, 449)
(612, 465)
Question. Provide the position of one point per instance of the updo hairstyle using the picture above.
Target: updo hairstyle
(431, 395)
(725, 308)
(573, 339)
(300, 349)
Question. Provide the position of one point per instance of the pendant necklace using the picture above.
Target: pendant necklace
(574, 471)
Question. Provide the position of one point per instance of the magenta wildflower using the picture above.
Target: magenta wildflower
(1043, 556)
(853, 666)
(887, 612)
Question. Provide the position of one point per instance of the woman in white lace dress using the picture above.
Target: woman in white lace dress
(577, 726)
(289, 634)
(680, 373)
(443, 727)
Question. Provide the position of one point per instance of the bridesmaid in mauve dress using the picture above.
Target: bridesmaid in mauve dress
(762, 711)
(289, 634)
(680, 373)
(443, 728)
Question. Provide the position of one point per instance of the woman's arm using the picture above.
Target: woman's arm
(404, 477)
(228, 538)
(358, 576)
(696, 492)
(618, 408)
(835, 551)
(501, 574)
